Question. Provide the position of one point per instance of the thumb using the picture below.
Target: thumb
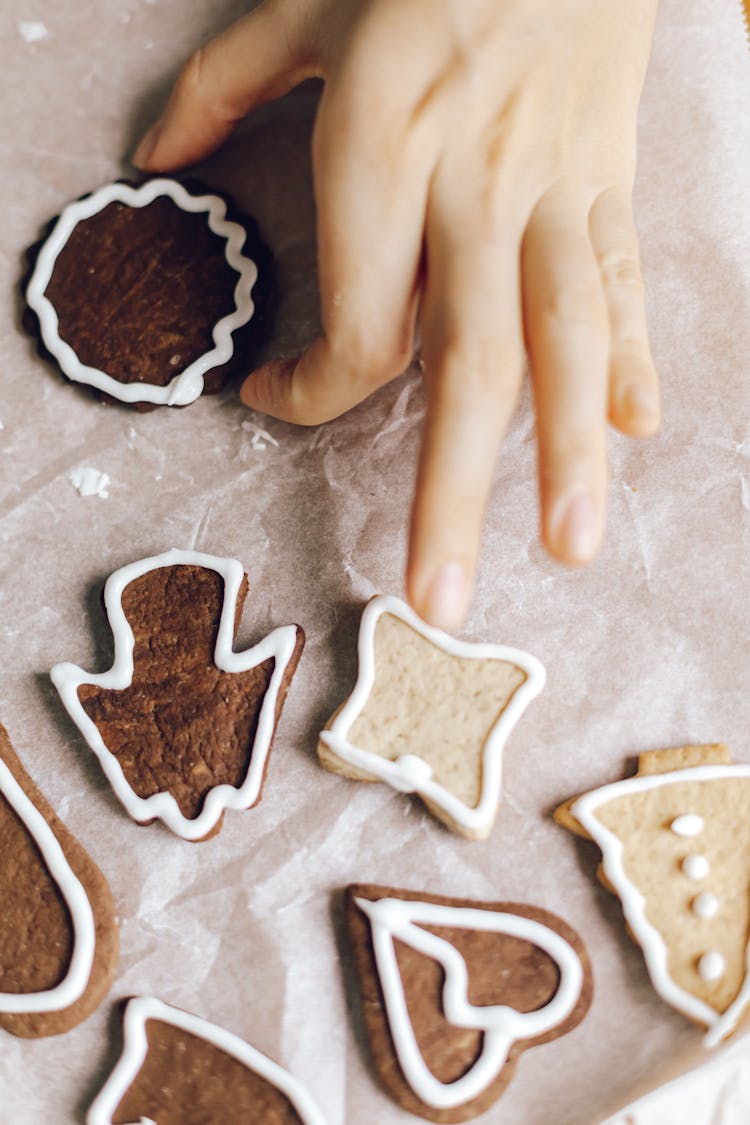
(258, 58)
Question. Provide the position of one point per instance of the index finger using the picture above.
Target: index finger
(258, 58)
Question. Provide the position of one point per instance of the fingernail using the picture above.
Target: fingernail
(145, 149)
(576, 527)
(639, 401)
(447, 597)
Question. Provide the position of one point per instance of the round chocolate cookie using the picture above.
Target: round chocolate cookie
(150, 294)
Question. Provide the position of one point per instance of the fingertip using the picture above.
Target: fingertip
(635, 408)
(574, 528)
(142, 157)
(440, 594)
(264, 388)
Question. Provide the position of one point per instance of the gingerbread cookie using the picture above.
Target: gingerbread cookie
(59, 942)
(675, 843)
(430, 715)
(146, 293)
(181, 723)
(177, 1069)
(453, 991)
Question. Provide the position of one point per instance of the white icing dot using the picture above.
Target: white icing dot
(695, 866)
(690, 824)
(711, 966)
(705, 904)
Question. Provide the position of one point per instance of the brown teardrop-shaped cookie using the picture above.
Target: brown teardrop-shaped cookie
(38, 932)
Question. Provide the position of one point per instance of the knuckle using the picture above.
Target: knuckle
(191, 79)
(477, 371)
(574, 303)
(197, 85)
(368, 357)
(621, 271)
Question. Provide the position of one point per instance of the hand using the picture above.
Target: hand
(475, 157)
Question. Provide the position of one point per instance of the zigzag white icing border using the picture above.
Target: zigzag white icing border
(410, 773)
(185, 387)
(651, 941)
(135, 1049)
(73, 985)
(279, 645)
(403, 919)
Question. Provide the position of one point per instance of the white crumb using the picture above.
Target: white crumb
(261, 439)
(90, 482)
(32, 31)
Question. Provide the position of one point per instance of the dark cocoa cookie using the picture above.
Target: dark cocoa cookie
(453, 991)
(59, 943)
(182, 724)
(178, 1069)
(152, 293)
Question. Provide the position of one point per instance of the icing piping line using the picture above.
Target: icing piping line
(651, 941)
(135, 1049)
(279, 645)
(73, 985)
(391, 918)
(410, 774)
(185, 387)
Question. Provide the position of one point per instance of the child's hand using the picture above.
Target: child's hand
(477, 157)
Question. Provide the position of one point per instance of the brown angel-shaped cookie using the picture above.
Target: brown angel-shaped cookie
(453, 991)
(59, 942)
(182, 724)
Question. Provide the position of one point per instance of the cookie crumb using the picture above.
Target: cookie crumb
(90, 482)
(261, 439)
(32, 31)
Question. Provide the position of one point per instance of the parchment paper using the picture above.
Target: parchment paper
(646, 648)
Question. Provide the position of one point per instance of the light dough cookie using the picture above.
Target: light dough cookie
(181, 723)
(675, 843)
(453, 991)
(59, 942)
(149, 293)
(177, 1069)
(430, 715)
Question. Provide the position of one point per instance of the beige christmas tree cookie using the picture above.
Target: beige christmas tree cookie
(675, 842)
(430, 715)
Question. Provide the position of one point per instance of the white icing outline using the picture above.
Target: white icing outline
(74, 983)
(135, 1049)
(279, 645)
(185, 387)
(391, 918)
(410, 773)
(651, 941)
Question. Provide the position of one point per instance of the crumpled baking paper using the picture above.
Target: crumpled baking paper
(646, 648)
